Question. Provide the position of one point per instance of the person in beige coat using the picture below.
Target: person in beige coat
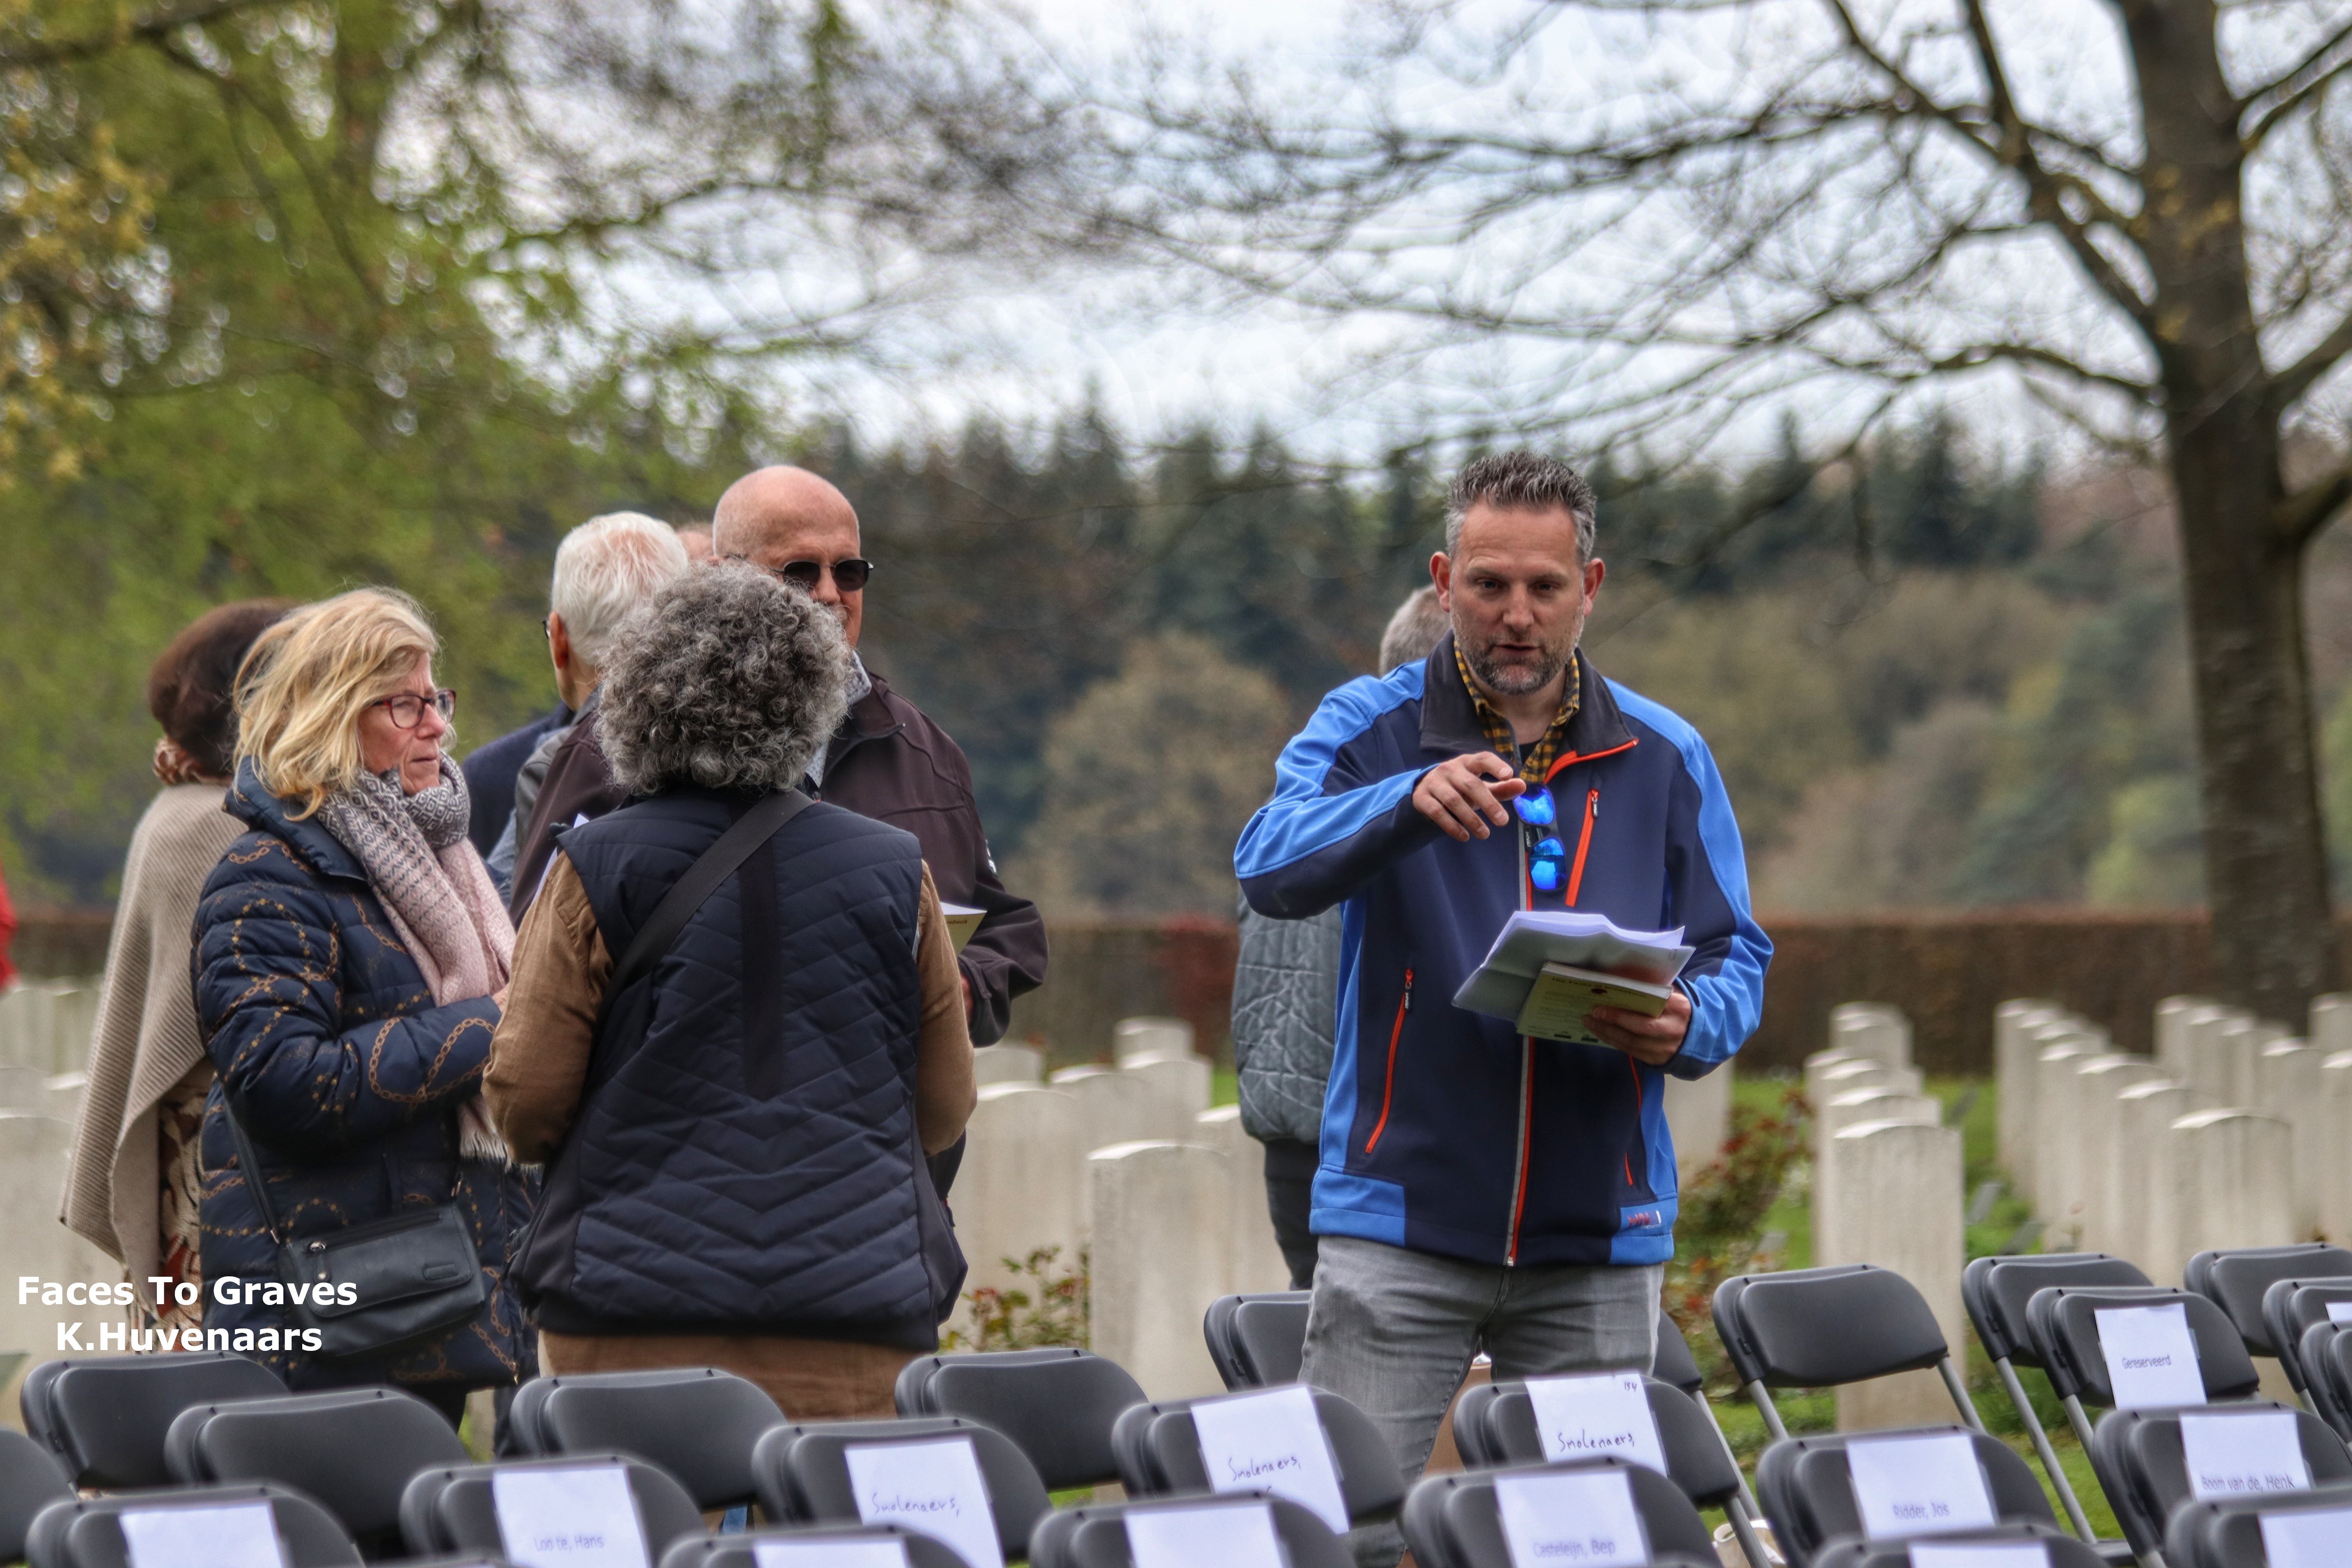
(132, 1186)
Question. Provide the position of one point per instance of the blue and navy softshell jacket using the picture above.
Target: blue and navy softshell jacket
(1442, 1129)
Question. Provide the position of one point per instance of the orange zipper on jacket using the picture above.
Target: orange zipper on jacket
(1388, 1089)
(1584, 843)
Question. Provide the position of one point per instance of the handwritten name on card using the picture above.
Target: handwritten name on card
(2243, 1453)
(1980, 1554)
(934, 1487)
(1271, 1442)
(1918, 1486)
(579, 1516)
(829, 1554)
(1604, 1413)
(1189, 1536)
(2151, 1356)
(229, 1535)
(2309, 1538)
(1581, 1518)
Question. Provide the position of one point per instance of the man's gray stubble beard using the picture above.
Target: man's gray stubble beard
(1493, 676)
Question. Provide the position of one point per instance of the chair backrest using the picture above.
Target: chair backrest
(697, 1423)
(1695, 1457)
(1452, 1520)
(1995, 1291)
(741, 1550)
(2141, 1466)
(350, 1449)
(2064, 1325)
(105, 1418)
(2228, 1533)
(1058, 1405)
(2236, 1279)
(1817, 1328)
(1676, 1365)
(1094, 1535)
(1158, 1452)
(454, 1509)
(1258, 1342)
(2328, 1365)
(1805, 1486)
(802, 1472)
(30, 1479)
(2059, 1549)
(2290, 1307)
(87, 1532)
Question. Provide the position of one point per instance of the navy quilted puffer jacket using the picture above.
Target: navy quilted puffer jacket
(348, 1078)
(753, 1166)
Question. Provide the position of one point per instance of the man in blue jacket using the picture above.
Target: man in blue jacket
(1476, 1188)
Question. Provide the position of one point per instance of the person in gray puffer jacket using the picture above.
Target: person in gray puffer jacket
(1287, 1008)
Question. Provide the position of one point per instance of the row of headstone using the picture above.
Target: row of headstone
(46, 1025)
(2233, 1134)
(45, 1036)
(1886, 1179)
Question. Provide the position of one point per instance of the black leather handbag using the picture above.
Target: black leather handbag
(373, 1287)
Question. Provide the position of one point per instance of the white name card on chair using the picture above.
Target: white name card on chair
(1272, 1442)
(933, 1486)
(2313, 1540)
(1583, 1518)
(1603, 1413)
(1931, 1485)
(1187, 1537)
(230, 1535)
(579, 1516)
(1980, 1554)
(2151, 1356)
(2339, 1312)
(2243, 1454)
(829, 1554)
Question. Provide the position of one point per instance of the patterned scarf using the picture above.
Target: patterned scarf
(443, 905)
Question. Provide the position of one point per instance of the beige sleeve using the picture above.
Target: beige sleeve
(539, 1058)
(944, 1091)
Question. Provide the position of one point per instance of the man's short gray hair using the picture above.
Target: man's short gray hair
(605, 568)
(1418, 625)
(1522, 481)
(728, 678)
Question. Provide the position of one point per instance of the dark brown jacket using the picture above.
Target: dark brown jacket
(889, 761)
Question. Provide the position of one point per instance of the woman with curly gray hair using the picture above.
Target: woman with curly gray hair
(735, 1123)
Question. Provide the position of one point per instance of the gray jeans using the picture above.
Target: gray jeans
(1393, 1332)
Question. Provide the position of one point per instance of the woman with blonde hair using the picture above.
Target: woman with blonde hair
(134, 1182)
(350, 966)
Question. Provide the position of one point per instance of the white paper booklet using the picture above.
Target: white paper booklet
(1532, 938)
(230, 1535)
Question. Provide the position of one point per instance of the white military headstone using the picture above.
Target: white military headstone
(2335, 1146)
(1698, 1119)
(2013, 1023)
(1844, 1111)
(1871, 1029)
(1161, 1213)
(2053, 1075)
(1021, 1183)
(1257, 1263)
(1114, 1107)
(1134, 1037)
(2233, 1182)
(2150, 1229)
(34, 1152)
(1179, 1091)
(1007, 1064)
(2287, 1085)
(2106, 1200)
(2331, 1023)
(1894, 1192)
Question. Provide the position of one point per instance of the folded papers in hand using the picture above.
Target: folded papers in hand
(1549, 968)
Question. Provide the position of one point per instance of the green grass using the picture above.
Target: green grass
(1225, 1088)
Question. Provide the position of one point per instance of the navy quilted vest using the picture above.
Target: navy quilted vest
(754, 1167)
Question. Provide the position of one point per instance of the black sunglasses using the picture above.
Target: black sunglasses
(849, 575)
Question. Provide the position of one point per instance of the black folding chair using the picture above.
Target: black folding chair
(1996, 1291)
(1094, 1535)
(2326, 1357)
(2237, 1278)
(1499, 1430)
(350, 1449)
(1675, 1365)
(1159, 1453)
(2291, 1308)
(87, 1532)
(30, 1479)
(105, 1418)
(455, 1508)
(2064, 1324)
(1820, 1328)
(2138, 1456)
(697, 1423)
(2061, 1551)
(741, 1550)
(2228, 1533)
(1453, 1521)
(1057, 1405)
(1807, 1485)
(1258, 1342)
(802, 1472)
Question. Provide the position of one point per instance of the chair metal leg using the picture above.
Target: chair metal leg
(1743, 1530)
(1960, 1393)
(1763, 1398)
(2049, 1458)
(1746, 1496)
(2080, 1422)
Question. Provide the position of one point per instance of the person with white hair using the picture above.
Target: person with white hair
(604, 568)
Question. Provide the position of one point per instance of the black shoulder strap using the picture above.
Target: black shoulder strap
(248, 1165)
(717, 863)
